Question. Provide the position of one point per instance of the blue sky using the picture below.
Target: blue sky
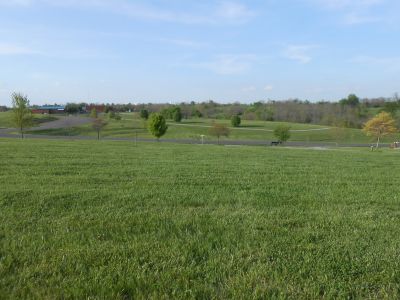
(175, 50)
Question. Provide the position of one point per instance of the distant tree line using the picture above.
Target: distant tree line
(347, 112)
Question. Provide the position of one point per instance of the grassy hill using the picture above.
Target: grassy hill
(90, 219)
(6, 119)
(131, 124)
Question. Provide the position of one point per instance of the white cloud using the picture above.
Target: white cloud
(341, 4)
(222, 12)
(234, 11)
(354, 19)
(184, 43)
(15, 2)
(268, 88)
(228, 64)
(353, 12)
(385, 63)
(10, 49)
(248, 89)
(299, 53)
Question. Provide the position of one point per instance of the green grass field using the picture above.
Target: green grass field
(131, 124)
(6, 119)
(108, 220)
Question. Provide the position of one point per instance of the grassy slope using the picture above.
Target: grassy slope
(107, 219)
(127, 126)
(6, 119)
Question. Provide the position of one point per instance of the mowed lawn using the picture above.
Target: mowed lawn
(6, 119)
(131, 125)
(108, 220)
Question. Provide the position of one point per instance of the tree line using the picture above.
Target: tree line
(379, 126)
(350, 112)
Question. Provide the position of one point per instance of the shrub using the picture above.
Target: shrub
(282, 133)
(93, 113)
(157, 125)
(144, 114)
(235, 121)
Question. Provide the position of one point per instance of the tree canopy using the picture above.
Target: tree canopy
(219, 130)
(235, 121)
(98, 124)
(381, 125)
(157, 125)
(22, 115)
(282, 133)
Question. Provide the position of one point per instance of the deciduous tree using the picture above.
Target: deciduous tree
(381, 125)
(235, 121)
(22, 115)
(144, 114)
(219, 130)
(157, 125)
(98, 124)
(282, 133)
(93, 113)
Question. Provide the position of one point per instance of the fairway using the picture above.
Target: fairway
(131, 125)
(108, 220)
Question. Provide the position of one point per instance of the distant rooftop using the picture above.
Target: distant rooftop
(51, 107)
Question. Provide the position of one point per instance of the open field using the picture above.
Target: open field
(6, 119)
(90, 219)
(193, 128)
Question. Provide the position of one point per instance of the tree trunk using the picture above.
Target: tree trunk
(98, 135)
(377, 142)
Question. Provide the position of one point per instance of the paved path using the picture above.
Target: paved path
(63, 122)
(250, 129)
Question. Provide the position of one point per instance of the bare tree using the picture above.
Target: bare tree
(98, 124)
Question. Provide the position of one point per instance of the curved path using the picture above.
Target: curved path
(250, 129)
(71, 121)
(63, 122)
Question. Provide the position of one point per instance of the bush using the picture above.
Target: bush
(72, 108)
(114, 115)
(93, 113)
(144, 114)
(235, 121)
(157, 125)
(282, 133)
(177, 115)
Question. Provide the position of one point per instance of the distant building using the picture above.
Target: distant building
(99, 108)
(48, 109)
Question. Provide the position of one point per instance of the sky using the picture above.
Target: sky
(59, 51)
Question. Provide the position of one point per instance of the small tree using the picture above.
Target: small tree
(22, 115)
(351, 100)
(113, 115)
(282, 133)
(72, 108)
(219, 130)
(93, 113)
(98, 124)
(235, 121)
(177, 114)
(157, 125)
(381, 125)
(144, 114)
